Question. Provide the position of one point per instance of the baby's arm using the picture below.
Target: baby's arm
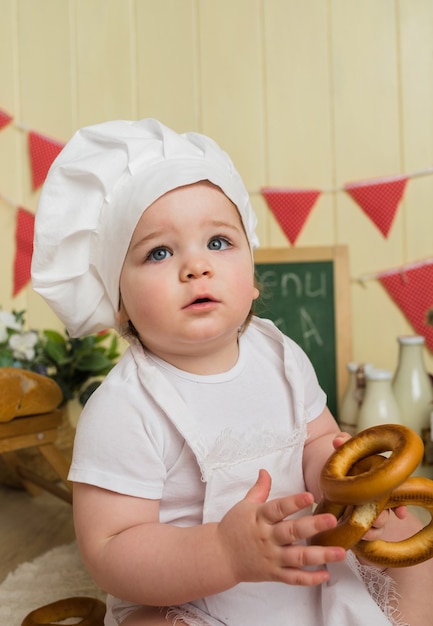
(133, 556)
(321, 435)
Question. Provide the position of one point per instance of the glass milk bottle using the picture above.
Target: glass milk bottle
(412, 386)
(379, 405)
(353, 397)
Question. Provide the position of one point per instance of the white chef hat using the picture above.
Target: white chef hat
(94, 195)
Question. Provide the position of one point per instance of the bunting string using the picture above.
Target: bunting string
(428, 171)
(363, 278)
(410, 286)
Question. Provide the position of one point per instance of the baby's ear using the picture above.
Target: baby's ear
(122, 316)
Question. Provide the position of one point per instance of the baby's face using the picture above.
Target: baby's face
(187, 281)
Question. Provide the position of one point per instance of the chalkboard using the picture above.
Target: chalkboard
(306, 292)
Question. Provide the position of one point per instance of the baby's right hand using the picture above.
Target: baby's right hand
(262, 545)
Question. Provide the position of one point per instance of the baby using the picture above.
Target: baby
(196, 462)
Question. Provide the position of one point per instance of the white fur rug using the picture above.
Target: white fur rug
(57, 574)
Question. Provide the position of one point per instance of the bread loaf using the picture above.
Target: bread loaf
(26, 393)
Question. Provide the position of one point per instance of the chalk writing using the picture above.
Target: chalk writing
(290, 284)
(309, 330)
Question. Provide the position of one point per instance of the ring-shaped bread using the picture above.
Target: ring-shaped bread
(406, 449)
(357, 487)
(90, 610)
(416, 491)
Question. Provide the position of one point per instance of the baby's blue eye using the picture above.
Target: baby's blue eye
(159, 254)
(218, 243)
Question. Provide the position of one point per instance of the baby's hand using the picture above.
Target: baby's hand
(262, 545)
(340, 438)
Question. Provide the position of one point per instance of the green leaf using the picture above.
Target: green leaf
(94, 362)
(55, 337)
(57, 352)
(6, 360)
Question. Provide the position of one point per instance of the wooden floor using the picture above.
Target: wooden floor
(30, 526)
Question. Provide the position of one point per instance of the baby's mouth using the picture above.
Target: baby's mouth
(202, 302)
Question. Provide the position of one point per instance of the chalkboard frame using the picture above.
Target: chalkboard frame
(339, 257)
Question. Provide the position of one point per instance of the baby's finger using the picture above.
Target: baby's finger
(309, 556)
(400, 511)
(278, 509)
(303, 577)
(339, 439)
(295, 560)
(381, 520)
(294, 530)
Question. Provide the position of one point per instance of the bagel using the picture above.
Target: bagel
(357, 476)
(416, 491)
(90, 610)
(406, 449)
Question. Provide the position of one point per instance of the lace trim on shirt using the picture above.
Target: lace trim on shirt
(232, 448)
(381, 587)
(189, 614)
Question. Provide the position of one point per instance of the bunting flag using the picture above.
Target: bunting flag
(24, 229)
(291, 208)
(5, 119)
(379, 199)
(43, 151)
(411, 288)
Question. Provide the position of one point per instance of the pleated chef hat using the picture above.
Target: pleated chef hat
(94, 195)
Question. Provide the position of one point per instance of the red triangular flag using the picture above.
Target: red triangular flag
(379, 199)
(412, 290)
(291, 208)
(43, 151)
(5, 119)
(24, 230)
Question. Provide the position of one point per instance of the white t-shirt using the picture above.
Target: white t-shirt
(130, 439)
(126, 443)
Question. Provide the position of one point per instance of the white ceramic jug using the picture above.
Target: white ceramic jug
(353, 397)
(379, 405)
(412, 386)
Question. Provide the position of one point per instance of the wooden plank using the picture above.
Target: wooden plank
(103, 61)
(231, 82)
(298, 111)
(10, 179)
(58, 462)
(21, 442)
(365, 85)
(167, 64)
(31, 424)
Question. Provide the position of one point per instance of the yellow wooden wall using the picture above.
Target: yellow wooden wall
(301, 93)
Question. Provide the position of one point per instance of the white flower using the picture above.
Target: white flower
(22, 345)
(8, 321)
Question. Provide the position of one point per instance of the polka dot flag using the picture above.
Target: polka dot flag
(379, 199)
(291, 208)
(5, 119)
(24, 230)
(43, 151)
(411, 288)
